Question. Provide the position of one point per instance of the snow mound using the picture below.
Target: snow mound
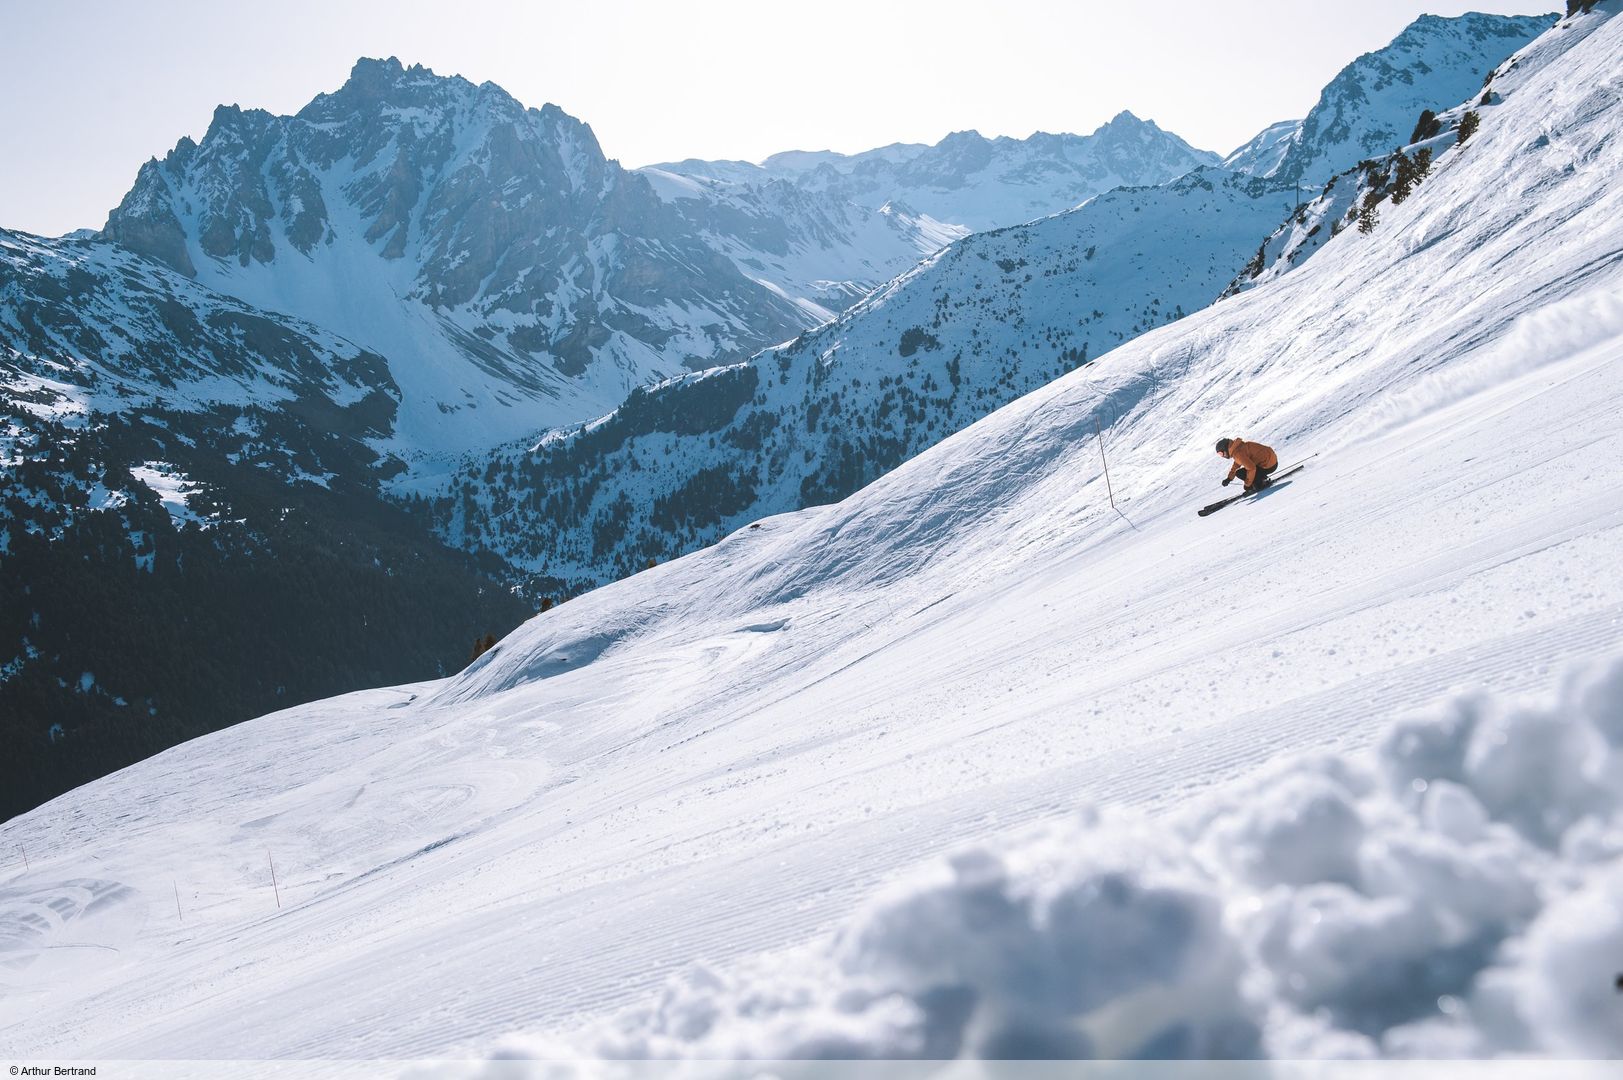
(1427, 899)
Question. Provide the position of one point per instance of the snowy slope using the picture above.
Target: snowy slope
(723, 757)
(643, 484)
(1351, 199)
(992, 317)
(1263, 152)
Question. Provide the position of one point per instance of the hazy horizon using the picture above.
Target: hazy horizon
(106, 87)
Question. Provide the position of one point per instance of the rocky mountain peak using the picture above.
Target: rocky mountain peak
(426, 216)
(229, 120)
(1370, 107)
(1124, 119)
(373, 82)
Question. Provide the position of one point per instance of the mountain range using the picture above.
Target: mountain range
(984, 322)
(981, 323)
(980, 183)
(507, 269)
(421, 336)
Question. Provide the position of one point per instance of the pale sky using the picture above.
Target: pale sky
(90, 90)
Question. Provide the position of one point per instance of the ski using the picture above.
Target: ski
(1272, 480)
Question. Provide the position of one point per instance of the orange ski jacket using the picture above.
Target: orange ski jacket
(1250, 456)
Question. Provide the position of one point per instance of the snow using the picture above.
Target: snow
(47, 399)
(1263, 152)
(100, 497)
(1355, 745)
(1371, 107)
(979, 183)
(1011, 309)
(1322, 907)
(807, 247)
(172, 488)
(140, 362)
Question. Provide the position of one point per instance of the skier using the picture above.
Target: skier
(1250, 461)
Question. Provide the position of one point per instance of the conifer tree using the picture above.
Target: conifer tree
(1426, 127)
(1403, 178)
(1368, 216)
(1468, 125)
(1422, 164)
(482, 646)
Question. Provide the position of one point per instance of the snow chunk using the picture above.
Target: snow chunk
(1098, 942)
(1305, 829)
(1572, 958)
(1413, 901)
(1094, 941)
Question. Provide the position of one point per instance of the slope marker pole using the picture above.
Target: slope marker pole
(178, 915)
(1108, 489)
(24, 852)
(277, 888)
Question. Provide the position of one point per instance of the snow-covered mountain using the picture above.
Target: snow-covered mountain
(820, 250)
(515, 279)
(1263, 152)
(715, 770)
(641, 485)
(511, 275)
(297, 316)
(89, 326)
(192, 522)
(826, 228)
(988, 319)
(976, 182)
(1353, 199)
(170, 412)
(1372, 106)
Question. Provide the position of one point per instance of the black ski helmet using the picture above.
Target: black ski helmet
(1223, 446)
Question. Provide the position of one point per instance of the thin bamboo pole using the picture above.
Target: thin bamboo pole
(1100, 435)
